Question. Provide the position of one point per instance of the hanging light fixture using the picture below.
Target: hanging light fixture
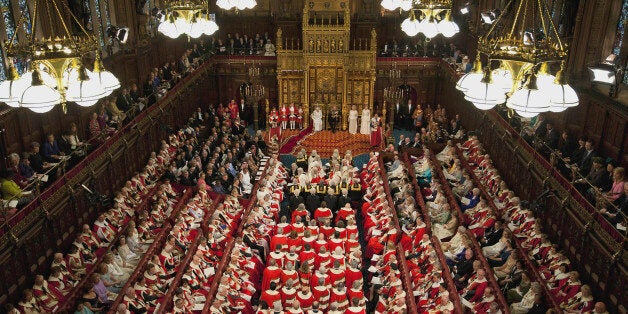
(185, 17)
(57, 72)
(447, 26)
(473, 79)
(391, 5)
(12, 88)
(525, 43)
(435, 17)
(487, 94)
(411, 25)
(238, 4)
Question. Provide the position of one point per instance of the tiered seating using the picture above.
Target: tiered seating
(381, 233)
(433, 289)
(76, 270)
(157, 267)
(610, 227)
(244, 264)
(471, 272)
(196, 276)
(546, 263)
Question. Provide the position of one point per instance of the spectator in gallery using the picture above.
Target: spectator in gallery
(25, 168)
(615, 210)
(11, 191)
(96, 133)
(584, 163)
(124, 101)
(70, 142)
(37, 161)
(14, 167)
(50, 150)
(116, 114)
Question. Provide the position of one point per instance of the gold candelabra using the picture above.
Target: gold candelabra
(254, 92)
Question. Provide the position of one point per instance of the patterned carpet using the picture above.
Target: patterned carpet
(324, 142)
(285, 135)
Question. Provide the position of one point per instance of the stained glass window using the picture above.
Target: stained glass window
(106, 17)
(621, 32)
(101, 33)
(2, 74)
(24, 9)
(7, 15)
(621, 25)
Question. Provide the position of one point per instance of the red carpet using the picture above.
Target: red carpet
(324, 142)
(289, 145)
(286, 135)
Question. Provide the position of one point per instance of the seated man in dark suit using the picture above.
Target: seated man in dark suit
(124, 101)
(595, 178)
(584, 163)
(51, 150)
(549, 141)
(463, 268)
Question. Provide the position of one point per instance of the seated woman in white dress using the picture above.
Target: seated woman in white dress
(353, 120)
(447, 228)
(528, 300)
(317, 119)
(365, 121)
(447, 153)
(128, 256)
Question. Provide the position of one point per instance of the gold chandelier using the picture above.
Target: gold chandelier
(186, 17)
(57, 72)
(521, 46)
(434, 17)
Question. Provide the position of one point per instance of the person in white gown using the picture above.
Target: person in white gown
(353, 120)
(317, 119)
(365, 123)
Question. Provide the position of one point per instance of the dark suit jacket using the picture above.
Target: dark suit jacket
(295, 201)
(312, 202)
(566, 147)
(551, 138)
(622, 204)
(586, 161)
(124, 102)
(48, 149)
(37, 162)
(596, 177)
(332, 202)
(342, 201)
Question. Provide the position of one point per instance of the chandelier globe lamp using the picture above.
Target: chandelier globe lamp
(411, 26)
(473, 79)
(521, 47)
(486, 94)
(12, 88)
(434, 17)
(237, 4)
(186, 17)
(57, 71)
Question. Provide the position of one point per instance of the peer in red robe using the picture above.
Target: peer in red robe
(272, 273)
(305, 297)
(271, 295)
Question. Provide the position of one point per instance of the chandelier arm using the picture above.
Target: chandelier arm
(52, 25)
(34, 18)
(524, 5)
(555, 30)
(65, 27)
(22, 19)
(543, 21)
(514, 23)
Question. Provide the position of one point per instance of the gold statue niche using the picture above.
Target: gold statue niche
(328, 70)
